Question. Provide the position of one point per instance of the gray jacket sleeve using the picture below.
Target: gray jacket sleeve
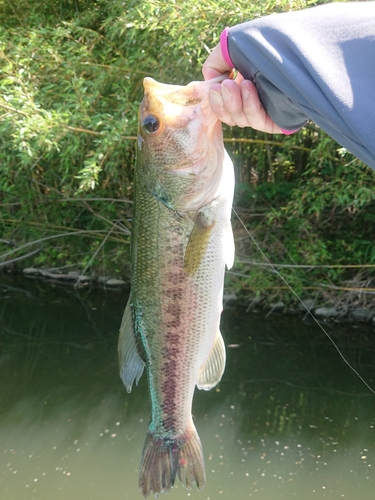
(317, 64)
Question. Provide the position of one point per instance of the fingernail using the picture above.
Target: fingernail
(244, 92)
(227, 96)
(215, 97)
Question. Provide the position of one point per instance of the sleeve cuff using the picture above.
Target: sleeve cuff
(224, 47)
(289, 132)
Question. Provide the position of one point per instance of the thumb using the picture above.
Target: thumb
(215, 64)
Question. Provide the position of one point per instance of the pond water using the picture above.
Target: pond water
(288, 420)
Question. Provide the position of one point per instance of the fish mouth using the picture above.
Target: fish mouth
(164, 101)
(183, 95)
(166, 105)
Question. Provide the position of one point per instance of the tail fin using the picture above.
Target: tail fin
(162, 459)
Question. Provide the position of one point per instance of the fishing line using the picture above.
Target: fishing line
(303, 304)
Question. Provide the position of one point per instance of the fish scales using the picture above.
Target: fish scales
(163, 305)
(181, 241)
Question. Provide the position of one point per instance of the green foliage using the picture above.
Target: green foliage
(71, 76)
(317, 227)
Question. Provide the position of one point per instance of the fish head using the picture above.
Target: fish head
(180, 144)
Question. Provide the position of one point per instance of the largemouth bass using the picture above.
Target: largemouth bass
(181, 240)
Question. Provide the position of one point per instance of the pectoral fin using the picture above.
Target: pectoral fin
(130, 363)
(211, 372)
(197, 243)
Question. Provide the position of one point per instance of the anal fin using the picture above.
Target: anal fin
(130, 363)
(213, 369)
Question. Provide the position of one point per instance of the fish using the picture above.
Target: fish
(181, 241)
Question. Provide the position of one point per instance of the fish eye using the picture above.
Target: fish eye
(151, 124)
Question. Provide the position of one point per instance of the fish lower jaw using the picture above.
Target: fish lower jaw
(164, 458)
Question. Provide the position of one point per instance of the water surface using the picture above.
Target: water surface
(288, 420)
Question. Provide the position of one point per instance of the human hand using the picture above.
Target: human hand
(235, 102)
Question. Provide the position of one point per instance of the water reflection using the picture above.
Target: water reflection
(289, 419)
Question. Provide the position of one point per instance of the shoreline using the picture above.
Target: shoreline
(328, 310)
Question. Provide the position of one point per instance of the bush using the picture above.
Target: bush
(71, 84)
